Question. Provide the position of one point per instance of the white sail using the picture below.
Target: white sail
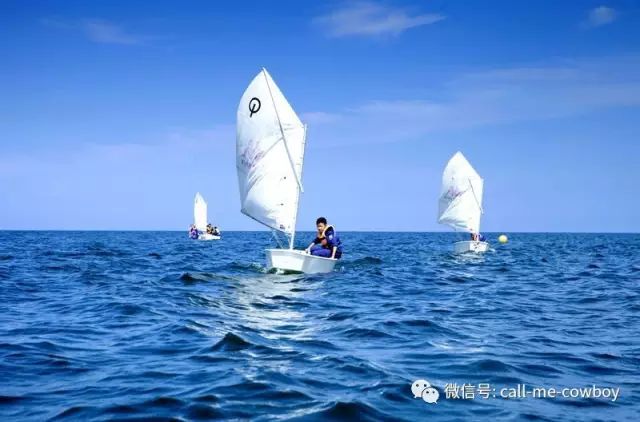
(460, 204)
(200, 212)
(269, 153)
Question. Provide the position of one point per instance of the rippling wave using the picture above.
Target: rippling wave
(126, 325)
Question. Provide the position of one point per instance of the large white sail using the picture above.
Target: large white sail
(200, 212)
(269, 153)
(460, 204)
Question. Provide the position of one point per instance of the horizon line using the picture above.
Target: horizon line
(311, 231)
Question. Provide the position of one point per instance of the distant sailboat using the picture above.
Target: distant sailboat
(200, 218)
(460, 205)
(270, 143)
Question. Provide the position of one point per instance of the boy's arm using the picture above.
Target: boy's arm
(309, 247)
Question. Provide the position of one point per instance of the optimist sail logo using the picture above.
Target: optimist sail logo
(423, 389)
(254, 106)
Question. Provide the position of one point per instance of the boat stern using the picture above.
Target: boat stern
(298, 261)
(470, 246)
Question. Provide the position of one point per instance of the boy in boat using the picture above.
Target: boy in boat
(209, 229)
(327, 243)
(477, 237)
(215, 231)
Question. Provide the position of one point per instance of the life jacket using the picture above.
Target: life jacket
(332, 237)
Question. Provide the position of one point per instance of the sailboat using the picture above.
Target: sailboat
(200, 218)
(270, 142)
(460, 204)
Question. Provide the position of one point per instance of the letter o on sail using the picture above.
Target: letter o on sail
(269, 154)
(254, 106)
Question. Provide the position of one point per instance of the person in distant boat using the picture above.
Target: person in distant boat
(327, 243)
(215, 231)
(193, 232)
(477, 237)
(209, 229)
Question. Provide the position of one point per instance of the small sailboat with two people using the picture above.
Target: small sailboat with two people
(270, 143)
(201, 229)
(460, 204)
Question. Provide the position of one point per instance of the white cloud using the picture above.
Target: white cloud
(601, 15)
(144, 185)
(101, 31)
(491, 97)
(318, 117)
(97, 30)
(371, 19)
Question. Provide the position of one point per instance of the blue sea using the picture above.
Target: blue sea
(154, 326)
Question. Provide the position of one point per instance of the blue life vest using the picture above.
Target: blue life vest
(332, 238)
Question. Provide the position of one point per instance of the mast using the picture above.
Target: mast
(475, 197)
(295, 217)
(293, 167)
(284, 138)
(473, 191)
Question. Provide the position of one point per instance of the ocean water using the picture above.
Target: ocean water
(142, 325)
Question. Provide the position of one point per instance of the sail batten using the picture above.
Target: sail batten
(269, 155)
(460, 204)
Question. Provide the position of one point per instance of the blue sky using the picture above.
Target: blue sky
(113, 114)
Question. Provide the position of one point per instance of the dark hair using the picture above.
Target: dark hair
(321, 220)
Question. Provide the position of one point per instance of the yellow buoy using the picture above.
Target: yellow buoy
(503, 239)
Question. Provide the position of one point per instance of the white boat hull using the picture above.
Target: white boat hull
(206, 236)
(299, 261)
(470, 246)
